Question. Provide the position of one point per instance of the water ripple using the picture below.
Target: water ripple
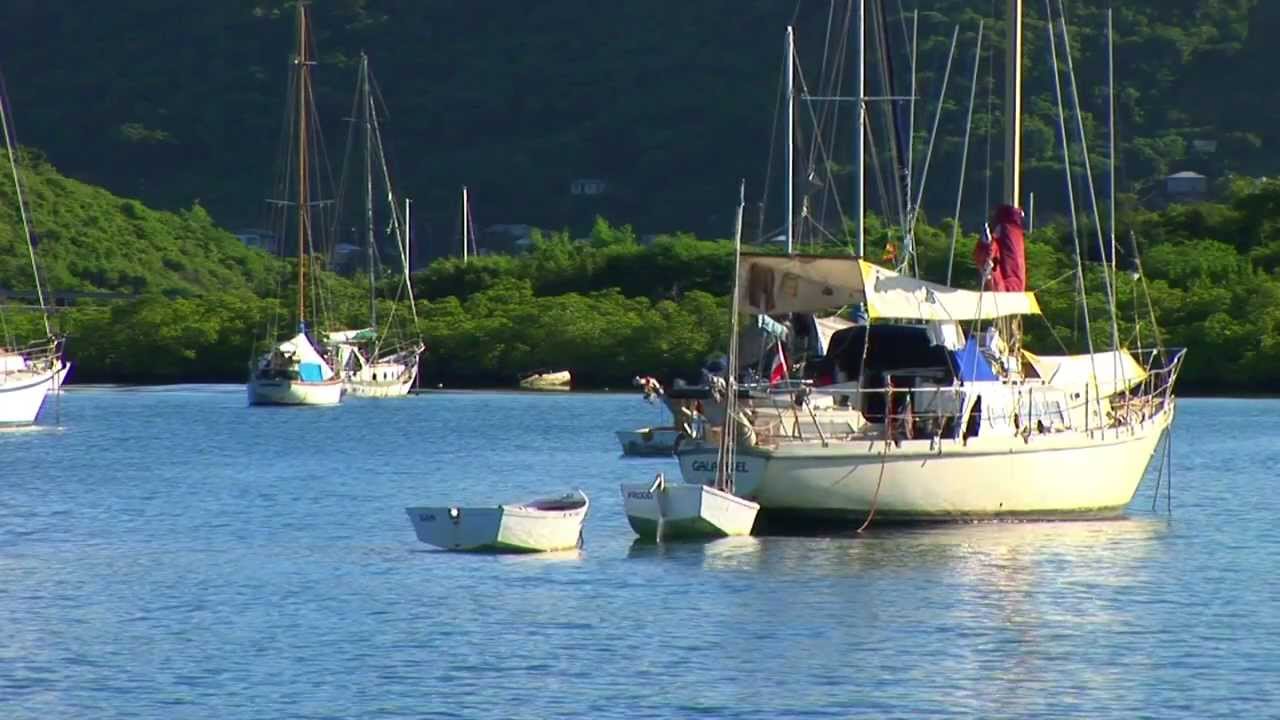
(170, 553)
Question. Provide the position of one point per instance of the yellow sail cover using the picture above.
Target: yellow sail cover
(773, 284)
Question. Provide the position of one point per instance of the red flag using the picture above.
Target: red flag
(778, 372)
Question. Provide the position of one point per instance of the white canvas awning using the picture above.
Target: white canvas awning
(828, 326)
(890, 295)
(773, 284)
(1115, 371)
(342, 336)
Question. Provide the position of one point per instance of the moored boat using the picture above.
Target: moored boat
(541, 525)
(296, 371)
(959, 432)
(649, 441)
(676, 511)
(547, 380)
(26, 378)
(707, 510)
(28, 373)
(379, 361)
(952, 419)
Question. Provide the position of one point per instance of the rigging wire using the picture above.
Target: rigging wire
(964, 157)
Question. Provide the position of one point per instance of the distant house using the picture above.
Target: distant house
(1186, 186)
(508, 237)
(1205, 146)
(259, 238)
(588, 186)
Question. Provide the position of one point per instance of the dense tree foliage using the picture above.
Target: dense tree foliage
(670, 102)
(196, 304)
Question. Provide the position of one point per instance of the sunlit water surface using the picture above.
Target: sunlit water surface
(171, 553)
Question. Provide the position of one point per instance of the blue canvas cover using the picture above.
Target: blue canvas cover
(311, 372)
(971, 364)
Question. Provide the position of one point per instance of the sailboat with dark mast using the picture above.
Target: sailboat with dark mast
(295, 371)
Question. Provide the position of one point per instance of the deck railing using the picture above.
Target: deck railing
(900, 411)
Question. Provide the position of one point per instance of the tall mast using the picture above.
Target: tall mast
(365, 99)
(1111, 137)
(11, 150)
(408, 251)
(1013, 108)
(791, 135)
(303, 77)
(859, 129)
(466, 223)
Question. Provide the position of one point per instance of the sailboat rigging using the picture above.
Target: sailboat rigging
(380, 360)
(28, 371)
(942, 414)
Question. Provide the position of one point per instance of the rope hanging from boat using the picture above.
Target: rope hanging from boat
(884, 456)
(1166, 461)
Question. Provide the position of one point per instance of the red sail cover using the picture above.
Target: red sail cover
(1003, 248)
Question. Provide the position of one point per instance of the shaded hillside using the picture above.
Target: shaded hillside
(669, 102)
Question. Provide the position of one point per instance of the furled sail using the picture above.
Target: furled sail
(774, 284)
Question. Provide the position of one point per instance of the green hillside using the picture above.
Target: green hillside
(92, 240)
(608, 307)
(668, 102)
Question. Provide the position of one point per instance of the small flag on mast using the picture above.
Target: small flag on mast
(778, 372)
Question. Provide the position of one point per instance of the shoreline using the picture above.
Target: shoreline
(72, 387)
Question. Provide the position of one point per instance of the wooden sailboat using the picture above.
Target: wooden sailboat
(29, 371)
(296, 371)
(372, 362)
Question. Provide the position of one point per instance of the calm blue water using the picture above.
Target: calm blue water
(170, 553)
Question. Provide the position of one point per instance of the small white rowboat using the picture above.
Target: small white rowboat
(536, 526)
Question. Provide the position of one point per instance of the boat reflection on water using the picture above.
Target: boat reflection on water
(740, 552)
(982, 547)
(991, 555)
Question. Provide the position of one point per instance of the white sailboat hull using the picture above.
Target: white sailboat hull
(382, 380)
(648, 441)
(666, 511)
(1067, 474)
(539, 526)
(22, 393)
(294, 392)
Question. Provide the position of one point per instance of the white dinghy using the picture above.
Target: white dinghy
(540, 525)
(670, 511)
(547, 380)
(648, 441)
(676, 511)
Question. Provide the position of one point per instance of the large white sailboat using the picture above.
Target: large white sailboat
(379, 362)
(295, 371)
(28, 372)
(954, 420)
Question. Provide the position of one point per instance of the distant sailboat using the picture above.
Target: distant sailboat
(28, 373)
(295, 371)
(374, 362)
